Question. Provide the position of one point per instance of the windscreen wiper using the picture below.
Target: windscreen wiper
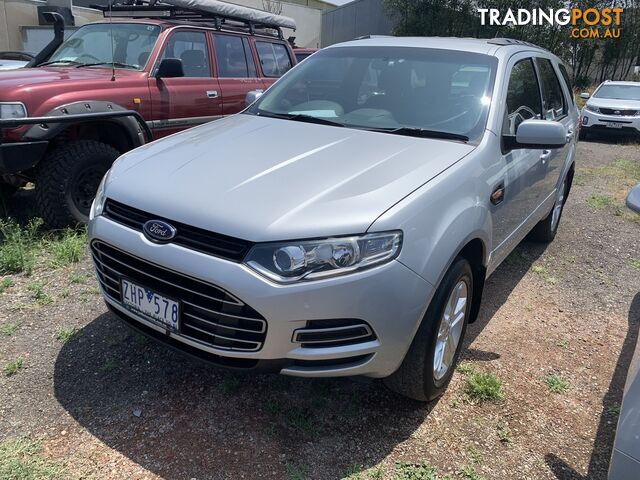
(115, 64)
(301, 117)
(52, 62)
(421, 133)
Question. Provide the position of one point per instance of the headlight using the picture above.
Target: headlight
(98, 202)
(289, 262)
(13, 110)
(591, 108)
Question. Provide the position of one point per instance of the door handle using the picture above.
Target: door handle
(545, 156)
(569, 135)
(212, 93)
(497, 196)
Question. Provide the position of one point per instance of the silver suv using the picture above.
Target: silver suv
(344, 223)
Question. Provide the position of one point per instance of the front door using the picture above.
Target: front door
(179, 103)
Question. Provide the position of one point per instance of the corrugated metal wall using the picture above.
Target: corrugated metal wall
(355, 19)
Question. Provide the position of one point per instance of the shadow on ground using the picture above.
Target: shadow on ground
(180, 418)
(601, 454)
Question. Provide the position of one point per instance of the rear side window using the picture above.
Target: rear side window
(567, 81)
(523, 97)
(274, 58)
(231, 56)
(191, 48)
(552, 97)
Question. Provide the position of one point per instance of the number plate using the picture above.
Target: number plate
(151, 304)
(614, 125)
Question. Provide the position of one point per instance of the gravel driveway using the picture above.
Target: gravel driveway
(103, 402)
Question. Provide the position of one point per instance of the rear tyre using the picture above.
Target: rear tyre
(67, 180)
(430, 362)
(545, 231)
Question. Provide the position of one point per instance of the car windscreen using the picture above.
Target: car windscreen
(128, 45)
(619, 92)
(394, 89)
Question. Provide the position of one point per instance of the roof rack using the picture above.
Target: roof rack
(511, 41)
(218, 14)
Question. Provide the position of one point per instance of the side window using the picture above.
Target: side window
(251, 65)
(523, 97)
(282, 58)
(567, 81)
(191, 48)
(553, 99)
(231, 57)
(274, 58)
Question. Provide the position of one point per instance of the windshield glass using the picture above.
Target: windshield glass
(620, 92)
(92, 44)
(395, 89)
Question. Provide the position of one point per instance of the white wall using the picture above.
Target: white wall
(308, 20)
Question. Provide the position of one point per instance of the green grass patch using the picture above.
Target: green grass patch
(38, 293)
(504, 433)
(544, 273)
(469, 473)
(6, 283)
(68, 247)
(635, 264)
(8, 328)
(230, 383)
(556, 383)
(18, 246)
(484, 387)
(66, 334)
(564, 344)
(415, 471)
(21, 459)
(13, 367)
(600, 201)
(466, 368)
(614, 410)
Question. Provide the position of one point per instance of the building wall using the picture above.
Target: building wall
(19, 17)
(15, 14)
(355, 19)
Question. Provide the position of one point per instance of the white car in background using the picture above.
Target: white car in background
(613, 108)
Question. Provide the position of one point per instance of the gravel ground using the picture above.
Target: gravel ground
(110, 404)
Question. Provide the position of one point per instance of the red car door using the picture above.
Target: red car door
(183, 102)
(237, 72)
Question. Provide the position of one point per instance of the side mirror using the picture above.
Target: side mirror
(633, 200)
(170, 68)
(537, 134)
(585, 95)
(252, 96)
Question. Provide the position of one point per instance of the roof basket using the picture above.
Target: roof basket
(208, 11)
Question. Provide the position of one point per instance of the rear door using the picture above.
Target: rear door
(179, 103)
(275, 60)
(237, 71)
(523, 169)
(554, 107)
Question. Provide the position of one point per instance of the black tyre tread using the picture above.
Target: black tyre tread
(53, 174)
(542, 232)
(410, 380)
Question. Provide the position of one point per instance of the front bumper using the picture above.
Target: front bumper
(598, 122)
(21, 156)
(390, 298)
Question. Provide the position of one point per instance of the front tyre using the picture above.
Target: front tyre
(67, 180)
(430, 362)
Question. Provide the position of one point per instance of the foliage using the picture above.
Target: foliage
(593, 59)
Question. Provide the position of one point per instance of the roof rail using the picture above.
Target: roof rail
(213, 12)
(510, 41)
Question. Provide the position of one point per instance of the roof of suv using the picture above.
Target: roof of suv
(485, 46)
(621, 82)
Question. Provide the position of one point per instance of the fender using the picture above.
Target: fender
(138, 134)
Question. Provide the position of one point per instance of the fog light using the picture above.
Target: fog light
(585, 120)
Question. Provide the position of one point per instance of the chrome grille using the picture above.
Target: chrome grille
(186, 235)
(209, 314)
(618, 111)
